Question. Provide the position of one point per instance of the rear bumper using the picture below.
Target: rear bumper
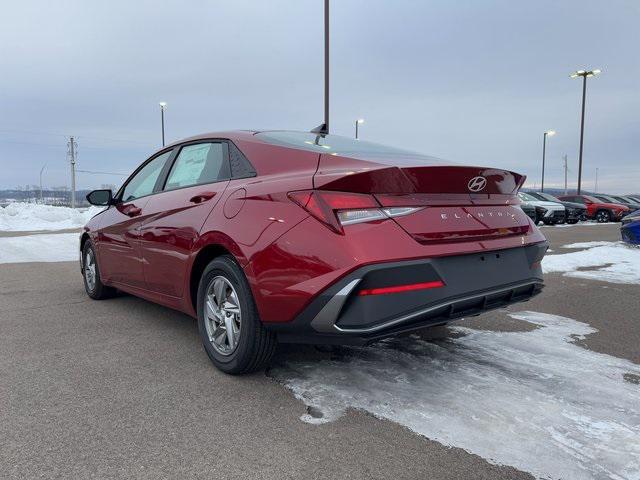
(472, 284)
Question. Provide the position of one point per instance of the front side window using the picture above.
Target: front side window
(145, 180)
(198, 164)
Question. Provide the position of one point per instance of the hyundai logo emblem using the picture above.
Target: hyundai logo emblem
(477, 184)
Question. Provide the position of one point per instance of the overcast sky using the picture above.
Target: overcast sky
(471, 81)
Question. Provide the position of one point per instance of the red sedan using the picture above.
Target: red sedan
(301, 237)
(598, 210)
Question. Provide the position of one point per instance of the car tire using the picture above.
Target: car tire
(603, 216)
(91, 274)
(572, 222)
(225, 304)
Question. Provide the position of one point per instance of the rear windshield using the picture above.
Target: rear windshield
(347, 147)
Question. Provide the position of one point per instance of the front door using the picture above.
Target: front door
(119, 255)
(196, 182)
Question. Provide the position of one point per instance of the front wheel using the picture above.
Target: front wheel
(91, 274)
(230, 328)
(603, 216)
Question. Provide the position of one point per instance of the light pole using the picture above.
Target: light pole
(41, 170)
(584, 74)
(566, 170)
(360, 121)
(323, 128)
(326, 66)
(163, 105)
(549, 133)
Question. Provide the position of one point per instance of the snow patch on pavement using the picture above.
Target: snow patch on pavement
(33, 217)
(533, 400)
(55, 247)
(614, 262)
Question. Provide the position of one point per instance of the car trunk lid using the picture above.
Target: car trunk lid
(459, 203)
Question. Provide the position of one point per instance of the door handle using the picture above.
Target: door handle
(202, 197)
(133, 211)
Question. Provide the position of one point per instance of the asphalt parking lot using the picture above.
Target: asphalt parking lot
(122, 388)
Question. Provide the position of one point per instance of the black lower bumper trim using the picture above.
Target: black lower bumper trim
(474, 283)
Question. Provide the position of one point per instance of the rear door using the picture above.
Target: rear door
(118, 242)
(174, 217)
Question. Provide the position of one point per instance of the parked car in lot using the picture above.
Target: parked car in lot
(598, 209)
(627, 201)
(574, 212)
(548, 212)
(630, 229)
(530, 210)
(612, 199)
(302, 237)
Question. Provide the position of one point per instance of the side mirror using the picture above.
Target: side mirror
(101, 198)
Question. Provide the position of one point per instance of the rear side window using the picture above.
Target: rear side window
(240, 165)
(143, 182)
(199, 164)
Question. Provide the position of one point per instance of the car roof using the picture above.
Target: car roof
(230, 134)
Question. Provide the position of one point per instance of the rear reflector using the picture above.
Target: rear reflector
(401, 288)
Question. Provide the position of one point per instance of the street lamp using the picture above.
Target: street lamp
(549, 133)
(163, 105)
(41, 170)
(360, 121)
(584, 74)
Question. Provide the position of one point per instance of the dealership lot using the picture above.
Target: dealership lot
(123, 388)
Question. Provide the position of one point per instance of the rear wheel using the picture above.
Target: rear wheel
(91, 274)
(230, 328)
(603, 216)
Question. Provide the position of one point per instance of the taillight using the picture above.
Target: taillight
(336, 209)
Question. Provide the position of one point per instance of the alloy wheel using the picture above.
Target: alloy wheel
(90, 269)
(602, 217)
(222, 315)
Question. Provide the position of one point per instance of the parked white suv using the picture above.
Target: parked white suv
(549, 212)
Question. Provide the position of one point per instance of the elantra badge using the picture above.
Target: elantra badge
(477, 184)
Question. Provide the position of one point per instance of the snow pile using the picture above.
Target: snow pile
(612, 262)
(533, 400)
(55, 247)
(33, 217)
